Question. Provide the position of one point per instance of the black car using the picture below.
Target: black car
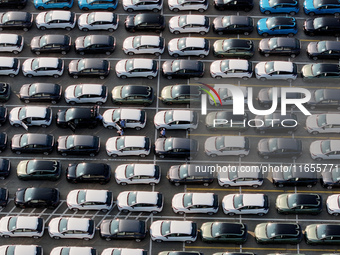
(276, 122)
(330, 178)
(133, 94)
(5, 91)
(89, 67)
(265, 97)
(324, 98)
(181, 94)
(239, 5)
(37, 197)
(226, 120)
(293, 176)
(188, 174)
(123, 229)
(224, 232)
(5, 168)
(3, 141)
(299, 203)
(280, 46)
(16, 20)
(233, 25)
(39, 169)
(180, 253)
(40, 92)
(95, 44)
(176, 147)
(322, 26)
(283, 233)
(32, 143)
(3, 115)
(321, 71)
(78, 145)
(13, 4)
(184, 69)
(88, 172)
(77, 117)
(233, 48)
(323, 50)
(145, 22)
(3, 197)
(51, 44)
(279, 148)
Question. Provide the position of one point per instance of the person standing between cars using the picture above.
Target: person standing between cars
(122, 123)
(162, 133)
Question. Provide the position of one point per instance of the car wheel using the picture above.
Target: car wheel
(226, 185)
(265, 34)
(267, 12)
(46, 153)
(210, 213)
(110, 9)
(158, 240)
(231, 214)
(18, 152)
(111, 30)
(68, 28)
(16, 125)
(12, 75)
(176, 32)
(108, 239)
(311, 13)
(336, 14)
(114, 155)
(150, 77)
(130, 53)
(15, 52)
(177, 184)
(56, 76)
(309, 186)
(108, 53)
(56, 237)
(25, 29)
(110, 127)
(92, 154)
(292, 55)
(161, 156)
(66, 8)
(104, 210)
(123, 76)
(72, 102)
(292, 13)
(220, 33)
(329, 187)
(290, 34)
(175, 55)
(202, 33)
(155, 10)
(41, 8)
(138, 240)
(246, 33)
(175, 10)
(213, 155)
(130, 10)
(169, 77)
(315, 133)
(85, 9)
(27, 101)
(242, 155)
(142, 155)
(82, 53)
(290, 80)
(245, 78)
(335, 214)
(63, 52)
(319, 159)
(157, 54)
(86, 238)
(266, 157)
(202, 56)
(99, 103)
(85, 29)
(206, 184)
(75, 76)
(263, 79)
(201, 10)
(42, 28)
(29, 75)
(266, 55)
(35, 237)
(312, 107)
(260, 214)
(64, 154)
(255, 186)
(280, 185)
(152, 183)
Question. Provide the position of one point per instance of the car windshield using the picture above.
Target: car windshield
(325, 146)
(272, 43)
(43, 41)
(120, 143)
(129, 171)
(318, 3)
(65, 251)
(183, 171)
(272, 3)
(63, 225)
(321, 46)
(70, 142)
(81, 196)
(22, 113)
(48, 16)
(182, 43)
(12, 223)
(291, 201)
(117, 252)
(91, 18)
(287, 174)
(321, 120)
(5, 18)
(219, 142)
(182, 21)
(270, 230)
(238, 201)
(69, 115)
(321, 231)
(87, 41)
(269, 67)
(31, 166)
(165, 228)
(316, 69)
(232, 174)
(317, 23)
(81, 65)
(32, 90)
(169, 116)
(215, 229)
(226, 21)
(225, 66)
(35, 64)
(272, 144)
(271, 22)
(114, 226)
(129, 65)
(168, 144)
(23, 140)
(318, 94)
(136, 41)
(78, 90)
(116, 114)
(132, 198)
(28, 195)
(80, 170)
(175, 66)
(187, 200)
(336, 174)
(10, 250)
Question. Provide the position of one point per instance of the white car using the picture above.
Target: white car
(189, 24)
(9, 66)
(56, 19)
(234, 204)
(78, 228)
(144, 44)
(86, 93)
(11, 43)
(189, 46)
(138, 174)
(22, 226)
(274, 70)
(176, 119)
(237, 176)
(123, 251)
(225, 95)
(140, 201)
(69, 250)
(134, 118)
(89, 199)
(28, 116)
(21, 250)
(98, 21)
(227, 146)
(325, 149)
(333, 205)
(231, 68)
(137, 67)
(142, 5)
(128, 146)
(188, 5)
(43, 67)
(173, 230)
(325, 123)
(195, 203)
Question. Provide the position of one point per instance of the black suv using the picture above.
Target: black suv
(32, 143)
(184, 69)
(89, 67)
(3, 197)
(51, 44)
(95, 44)
(181, 94)
(145, 22)
(5, 168)
(38, 169)
(188, 174)
(88, 172)
(13, 4)
(299, 203)
(322, 26)
(16, 20)
(281, 233)
(240, 5)
(293, 176)
(3, 141)
(324, 98)
(280, 46)
(37, 197)
(3, 115)
(133, 94)
(176, 147)
(279, 148)
(5, 91)
(224, 232)
(323, 50)
(233, 25)
(77, 117)
(78, 145)
(233, 48)
(276, 122)
(40, 92)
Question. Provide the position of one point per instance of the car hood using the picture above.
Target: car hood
(159, 118)
(111, 144)
(263, 95)
(155, 228)
(127, 44)
(26, 66)
(307, 71)
(260, 231)
(69, 91)
(167, 67)
(159, 144)
(13, 114)
(310, 232)
(281, 201)
(215, 66)
(263, 146)
(173, 22)
(107, 115)
(278, 176)
(173, 44)
(262, 25)
(218, 45)
(82, 20)
(71, 171)
(53, 226)
(122, 199)
(166, 93)
(209, 144)
(21, 167)
(35, 42)
(218, 22)
(120, 172)
(130, 20)
(24, 90)
(263, 45)
(315, 148)
(260, 68)
(120, 66)
(312, 48)
(228, 202)
(72, 197)
(177, 200)
(311, 122)
(309, 4)
(333, 202)
(173, 172)
(72, 67)
(206, 230)
(19, 195)
(105, 227)
(62, 142)
(116, 92)
(16, 141)
(40, 18)
(172, 2)
(61, 116)
(79, 42)
(309, 24)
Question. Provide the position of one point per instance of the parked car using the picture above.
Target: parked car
(277, 26)
(188, 174)
(324, 98)
(188, 5)
(9, 66)
(56, 19)
(299, 203)
(236, 176)
(4, 194)
(5, 168)
(128, 146)
(332, 204)
(21, 249)
(322, 26)
(109, 251)
(189, 24)
(95, 44)
(234, 204)
(89, 199)
(265, 97)
(148, 22)
(279, 46)
(37, 197)
(94, 21)
(225, 95)
(290, 7)
(324, 123)
(5, 91)
(69, 250)
(32, 143)
(320, 71)
(16, 20)
(223, 232)
(183, 69)
(276, 123)
(189, 46)
(137, 68)
(39, 169)
(279, 148)
(290, 176)
(283, 233)
(195, 203)
(78, 145)
(242, 5)
(89, 67)
(43, 67)
(3, 141)
(122, 229)
(142, 5)
(330, 178)
(3, 115)
(144, 44)
(227, 146)
(86, 93)
(88, 172)
(324, 50)
(226, 120)
(134, 118)
(173, 230)
(12, 43)
(176, 119)
(19, 4)
(53, 4)
(325, 150)
(231, 68)
(140, 201)
(28, 116)
(75, 228)
(133, 94)
(181, 94)
(326, 234)
(180, 253)
(138, 174)
(176, 147)
(233, 24)
(22, 226)
(40, 92)
(233, 48)
(109, 5)
(312, 7)
(274, 70)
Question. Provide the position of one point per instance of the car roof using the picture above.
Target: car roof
(93, 168)
(183, 227)
(182, 143)
(36, 111)
(240, 20)
(96, 195)
(287, 143)
(36, 138)
(148, 17)
(136, 90)
(144, 169)
(234, 141)
(285, 1)
(332, 45)
(17, 15)
(85, 140)
(149, 40)
(331, 229)
(288, 21)
(49, 62)
(6, 61)
(58, 39)
(239, 64)
(194, 42)
(78, 224)
(283, 66)
(230, 228)
(285, 42)
(190, 64)
(143, 63)
(285, 228)
(145, 197)
(186, 89)
(61, 15)
(331, 94)
(92, 89)
(306, 199)
(134, 141)
(43, 164)
(333, 119)
(45, 87)
(195, 19)
(100, 39)
(329, 68)
(253, 199)
(182, 115)
(9, 38)
(329, 2)
(27, 222)
(94, 63)
(327, 21)
(41, 193)
(335, 145)
(131, 114)
(78, 112)
(238, 43)
(129, 225)
(203, 199)
(103, 16)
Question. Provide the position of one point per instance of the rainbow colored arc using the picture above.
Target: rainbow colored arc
(209, 93)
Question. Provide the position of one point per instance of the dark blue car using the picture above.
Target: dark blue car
(277, 26)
